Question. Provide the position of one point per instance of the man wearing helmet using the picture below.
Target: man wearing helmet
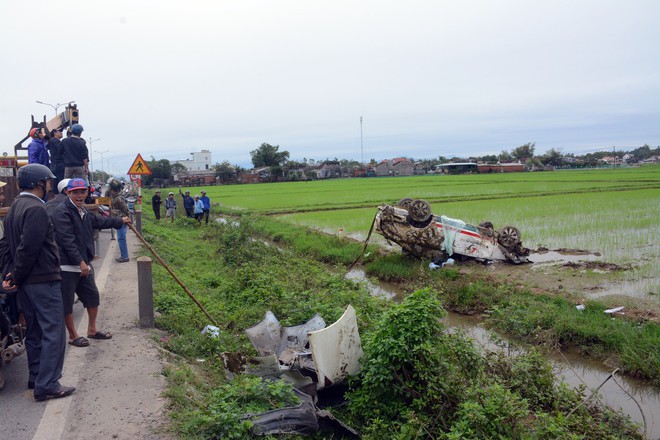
(188, 203)
(30, 262)
(75, 154)
(119, 208)
(37, 151)
(170, 206)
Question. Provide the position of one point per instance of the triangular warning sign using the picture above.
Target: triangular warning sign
(139, 166)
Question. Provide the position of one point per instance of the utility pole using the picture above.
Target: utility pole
(361, 143)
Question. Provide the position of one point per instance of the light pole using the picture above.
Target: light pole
(91, 163)
(101, 153)
(56, 106)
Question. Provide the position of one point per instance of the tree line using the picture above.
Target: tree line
(279, 163)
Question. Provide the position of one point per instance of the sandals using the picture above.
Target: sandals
(79, 342)
(100, 335)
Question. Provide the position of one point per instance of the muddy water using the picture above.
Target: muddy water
(572, 368)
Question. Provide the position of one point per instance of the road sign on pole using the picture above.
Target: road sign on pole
(139, 166)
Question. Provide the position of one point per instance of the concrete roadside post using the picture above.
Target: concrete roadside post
(145, 292)
(138, 220)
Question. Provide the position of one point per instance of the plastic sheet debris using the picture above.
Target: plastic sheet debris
(580, 307)
(614, 310)
(212, 331)
(433, 266)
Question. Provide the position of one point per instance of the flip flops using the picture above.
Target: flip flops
(100, 335)
(79, 342)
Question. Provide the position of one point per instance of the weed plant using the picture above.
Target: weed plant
(418, 381)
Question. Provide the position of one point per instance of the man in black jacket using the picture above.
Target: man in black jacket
(29, 258)
(75, 154)
(74, 226)
(155, 204)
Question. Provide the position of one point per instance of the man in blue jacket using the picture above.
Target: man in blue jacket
(37, 151)
(74, 234)
(29, 259)
(188, 203)
(207, 206)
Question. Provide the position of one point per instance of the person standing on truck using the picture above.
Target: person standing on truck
(56, 158)
(75, 154)
(207, 206)
(188, 203)
(37, 151)
(31, 263)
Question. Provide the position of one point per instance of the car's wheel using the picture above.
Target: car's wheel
(405, 202)
(420, 210)
(509, 236)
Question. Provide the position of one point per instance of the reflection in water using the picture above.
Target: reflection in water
(572, 368)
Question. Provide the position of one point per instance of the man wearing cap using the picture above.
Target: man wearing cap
(56, 158)
(74, 227)
(188, 203)
(207, 206)
(198, 209)
(75, 154)
(170, 206)
(155, 204)
(59, 198)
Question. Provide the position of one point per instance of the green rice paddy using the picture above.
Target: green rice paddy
(614, 212)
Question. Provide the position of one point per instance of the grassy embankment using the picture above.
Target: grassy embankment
(417, 380)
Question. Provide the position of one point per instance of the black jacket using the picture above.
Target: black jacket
(55, 148)
(28, 248)
(74, 234)
(74, 151)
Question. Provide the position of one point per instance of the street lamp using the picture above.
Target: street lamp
(101, 153)
(91, 163)
(56, 106)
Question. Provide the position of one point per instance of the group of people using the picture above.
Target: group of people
(198, 207)
(46, 254)
(67, 158)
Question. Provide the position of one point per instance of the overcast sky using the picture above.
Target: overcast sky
(166, 78)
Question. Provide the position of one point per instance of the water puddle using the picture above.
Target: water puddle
(570, 367)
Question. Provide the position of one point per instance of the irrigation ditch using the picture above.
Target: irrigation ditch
(639, 399)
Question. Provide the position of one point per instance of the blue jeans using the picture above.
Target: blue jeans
(121, 240)
(45, 340)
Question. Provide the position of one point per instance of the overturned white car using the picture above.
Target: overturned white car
(411, 225)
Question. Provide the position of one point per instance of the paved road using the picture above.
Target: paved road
(118, 381)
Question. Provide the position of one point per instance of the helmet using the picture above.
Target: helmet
(63, 185)
(29, 175)
(34, 133)
(203, 192)
(171, 193)
(77, 129)
(75, 184)
(115, 184)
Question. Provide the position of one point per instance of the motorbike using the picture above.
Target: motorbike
(12, 332)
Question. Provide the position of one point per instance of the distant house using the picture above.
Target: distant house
(200, 161)
(501, 168)
(399, 166)
(457, 168)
